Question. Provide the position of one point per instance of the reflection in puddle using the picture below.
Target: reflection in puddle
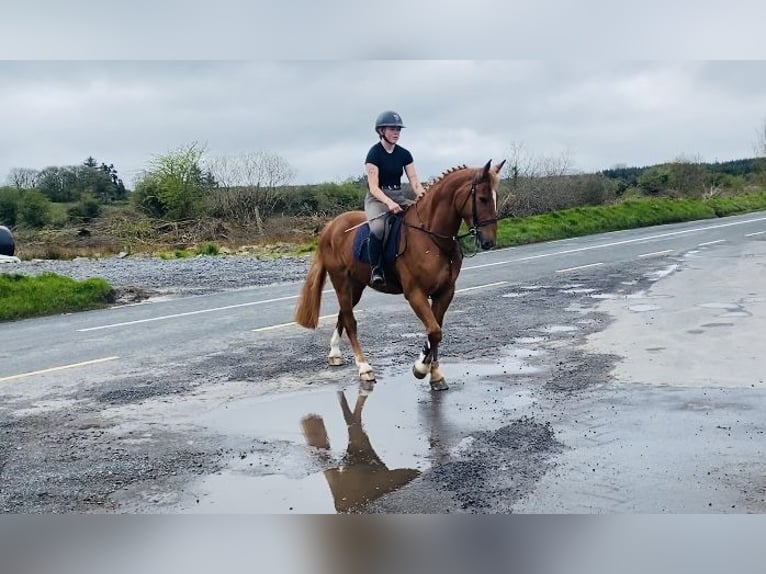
(361, 476)
(329, 450)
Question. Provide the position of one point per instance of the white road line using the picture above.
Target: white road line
(754, 234)
(578, 267)
(614, 243)
(711, 242)
(53, 369)
(291, 323)
(189, 313)
(656, 253)
(359, 311)
(464, 289)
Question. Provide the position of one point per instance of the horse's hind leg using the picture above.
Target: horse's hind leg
(349, 293)
(335, 357)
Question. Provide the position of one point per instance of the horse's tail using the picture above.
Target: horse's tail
(307, 310)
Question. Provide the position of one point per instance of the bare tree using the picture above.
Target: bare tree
(536, 184)
(23, 178)
(248, 185)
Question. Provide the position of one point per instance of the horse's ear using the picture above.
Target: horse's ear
(499, 166)
(485, 171)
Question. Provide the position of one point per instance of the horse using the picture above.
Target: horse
(427, 264)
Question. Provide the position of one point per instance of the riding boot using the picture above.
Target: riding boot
(375, 252)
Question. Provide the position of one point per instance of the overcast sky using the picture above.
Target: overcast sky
(597, 82)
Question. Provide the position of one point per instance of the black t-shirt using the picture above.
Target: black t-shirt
(390, 165)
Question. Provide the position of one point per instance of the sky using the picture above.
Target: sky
(593, 89)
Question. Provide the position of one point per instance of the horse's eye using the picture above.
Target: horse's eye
(483, 200)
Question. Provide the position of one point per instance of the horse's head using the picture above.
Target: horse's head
(478, 207)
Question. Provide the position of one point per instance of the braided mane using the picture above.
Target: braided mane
(445, 174)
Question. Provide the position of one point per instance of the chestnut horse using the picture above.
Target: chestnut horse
(427, 264)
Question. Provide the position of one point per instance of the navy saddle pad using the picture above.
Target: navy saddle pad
(391, 239)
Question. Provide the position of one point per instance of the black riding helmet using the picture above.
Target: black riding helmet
(388, 119)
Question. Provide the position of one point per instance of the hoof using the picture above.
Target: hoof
(420, 372)
(335, 361)
(439, 385)
(366, 387)
(367, 377)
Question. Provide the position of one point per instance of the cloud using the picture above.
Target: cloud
(318, 115)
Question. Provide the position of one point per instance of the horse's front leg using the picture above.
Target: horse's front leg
(428, 361)
(439, 305)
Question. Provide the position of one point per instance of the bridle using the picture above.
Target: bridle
(473, 230)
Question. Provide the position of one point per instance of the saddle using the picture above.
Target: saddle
(391, 235)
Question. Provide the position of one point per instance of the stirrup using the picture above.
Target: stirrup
(377, 278)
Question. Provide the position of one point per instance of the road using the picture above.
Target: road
(617, 372)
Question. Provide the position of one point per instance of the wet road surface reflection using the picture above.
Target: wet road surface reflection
(338, 448)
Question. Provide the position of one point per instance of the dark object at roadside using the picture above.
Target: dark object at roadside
(7, 244)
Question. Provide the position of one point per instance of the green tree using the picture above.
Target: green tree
(9, 206)
(33, 209)
(656, 180)
(175, 186)
(87, 209)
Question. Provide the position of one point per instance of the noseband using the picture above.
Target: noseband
(476, 224)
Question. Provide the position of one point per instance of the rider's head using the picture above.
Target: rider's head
(390, 120)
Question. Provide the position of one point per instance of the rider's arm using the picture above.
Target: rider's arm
(412, 176)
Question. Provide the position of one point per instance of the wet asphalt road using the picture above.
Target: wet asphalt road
(549, 410)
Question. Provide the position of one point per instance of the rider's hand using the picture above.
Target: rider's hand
(394, 207)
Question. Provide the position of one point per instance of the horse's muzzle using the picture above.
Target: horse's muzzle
(487, 244)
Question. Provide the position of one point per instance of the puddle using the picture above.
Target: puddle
(735, 314)
(662, 273)
(528, 340)
(725, 306)
(336, 449)
(643, 308)
(558, 329)
(577, 308)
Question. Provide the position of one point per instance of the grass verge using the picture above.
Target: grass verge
(629, 214)
(47, 294)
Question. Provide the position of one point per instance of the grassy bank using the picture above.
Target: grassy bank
(22, 297)
(628, 214)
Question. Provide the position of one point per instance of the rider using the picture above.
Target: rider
(384, 164)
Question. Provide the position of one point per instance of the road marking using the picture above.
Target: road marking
(54, 369)
(754, 234)
(189, 313)
(291, 323)
(656, 253)
(578, 267)
(711, 242)
(614, 243)
(464, 289)
(360, 311)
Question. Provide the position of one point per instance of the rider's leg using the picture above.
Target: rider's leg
(375, 212)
